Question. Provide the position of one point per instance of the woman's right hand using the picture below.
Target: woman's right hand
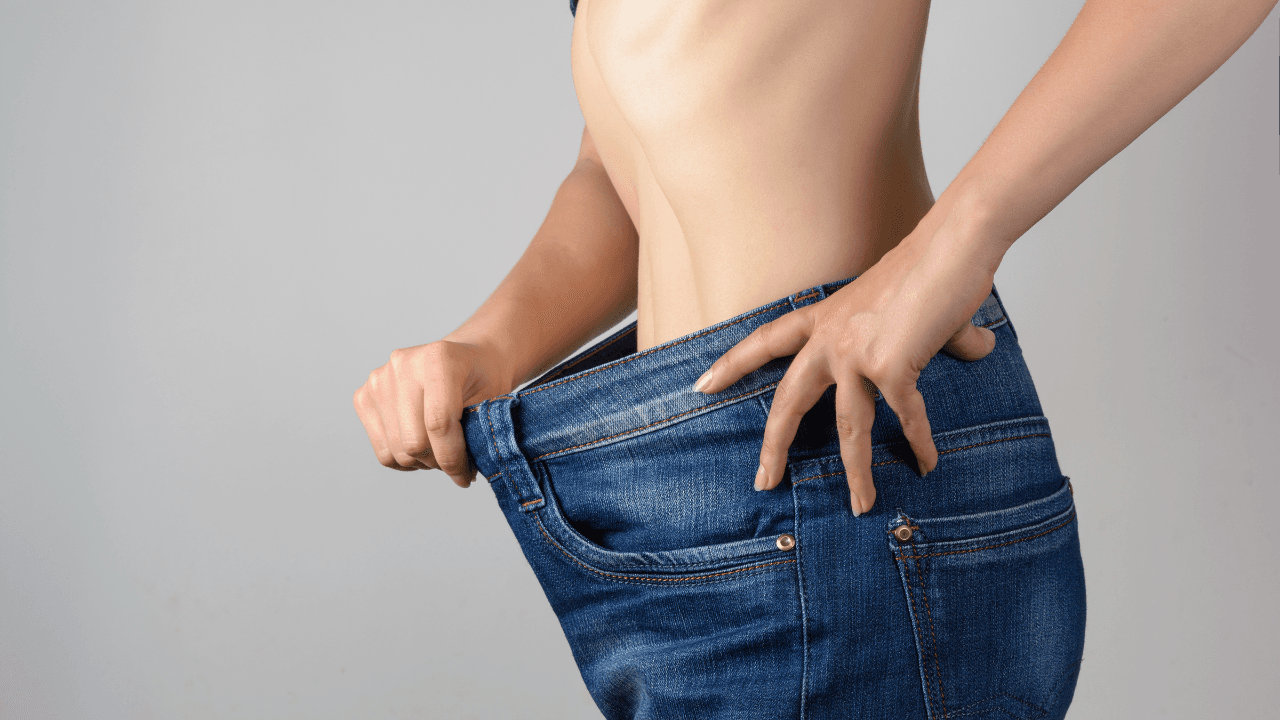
(411, 407)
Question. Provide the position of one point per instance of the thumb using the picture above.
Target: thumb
(971, 342)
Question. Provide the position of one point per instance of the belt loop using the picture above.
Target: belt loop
(807, 297)
(512, 462)
(1004, 312)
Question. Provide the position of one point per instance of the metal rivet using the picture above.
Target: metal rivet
(903, 533)
(786, 541)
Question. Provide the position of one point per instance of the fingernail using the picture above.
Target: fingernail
(703, 381)
(760, 478)
(920, 465)
(855, 503)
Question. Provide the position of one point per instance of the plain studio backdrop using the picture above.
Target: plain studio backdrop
(217, 218)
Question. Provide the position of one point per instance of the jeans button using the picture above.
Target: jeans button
(786, 541)
(903, 533)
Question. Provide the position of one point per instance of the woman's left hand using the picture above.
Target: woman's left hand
(882, 328)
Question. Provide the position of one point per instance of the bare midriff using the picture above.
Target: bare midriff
(760, 147)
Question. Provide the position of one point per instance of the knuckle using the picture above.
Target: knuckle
(437, 420)
(784, 399)
(452, 466)
(762, 337)
(435, 353)
(881, 370)
(846, 428)
(403, 459)
(769, 446)
(416, 446)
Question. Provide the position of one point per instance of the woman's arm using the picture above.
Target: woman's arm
(1121, 66)
(575, 280)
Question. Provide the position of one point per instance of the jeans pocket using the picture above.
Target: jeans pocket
(997, 605)
(694, 564)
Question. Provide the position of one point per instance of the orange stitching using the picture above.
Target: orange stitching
(526, 504)
(911, 597)
(937, 668)
(476, 407)
(806, 296)
(578, 361)
(658, 422)
(639, 355)
(940, 452)
(1011, 542)
(642, 577)
(540, 388)
(497, 454)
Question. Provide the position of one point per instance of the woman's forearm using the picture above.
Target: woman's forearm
(1122, 65)
(576, 279)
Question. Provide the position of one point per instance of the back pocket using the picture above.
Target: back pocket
(997, 606)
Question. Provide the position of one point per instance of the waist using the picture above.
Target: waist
(611, 392)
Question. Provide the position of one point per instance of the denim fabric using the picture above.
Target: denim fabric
(573, 7)
(678, 586)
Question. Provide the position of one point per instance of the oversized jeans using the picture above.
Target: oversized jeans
(685, 593)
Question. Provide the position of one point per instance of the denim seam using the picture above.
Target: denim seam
(690, 565)
(983, 711)
(756, 391)
(940, 452)
(1003, 544)
(804, 607)
(911, 597)
(637, 356)
(1004, 312)
(933, 635)
(497, 456)
(646, 579)
(1063, 679)
(539, 388)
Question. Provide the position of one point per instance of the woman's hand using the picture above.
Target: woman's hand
(412, 406)
(883, 327)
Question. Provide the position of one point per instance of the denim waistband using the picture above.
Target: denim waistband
(609, 392)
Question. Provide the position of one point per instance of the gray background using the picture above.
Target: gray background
(217, 218)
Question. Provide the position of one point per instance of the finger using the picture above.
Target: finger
(971, 342)
(386, 400)
(431, 421)
(779, 338)
(797, 392)
(908, 404)
(368, 412)
(855, 413)
(443, 420)
(409, 403)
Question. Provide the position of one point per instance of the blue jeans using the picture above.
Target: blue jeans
(685, 593)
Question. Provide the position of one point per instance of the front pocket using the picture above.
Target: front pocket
(697, 563)
(997, 606)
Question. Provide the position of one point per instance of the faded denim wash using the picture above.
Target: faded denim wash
(685, 593)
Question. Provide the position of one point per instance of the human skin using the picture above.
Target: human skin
(739, 152)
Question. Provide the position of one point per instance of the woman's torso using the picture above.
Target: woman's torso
(759, 147)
